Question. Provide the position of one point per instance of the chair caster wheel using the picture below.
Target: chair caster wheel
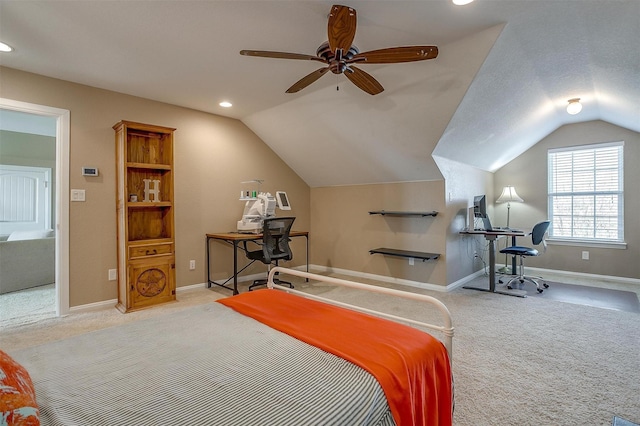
(501, 282)
(540, 290)
(509, 287)
(545, 285)
(521, 281)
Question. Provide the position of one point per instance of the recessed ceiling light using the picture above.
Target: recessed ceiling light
(225, 104)
(5, 47)
(461, 2)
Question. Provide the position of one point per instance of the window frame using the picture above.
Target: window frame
(553, 194)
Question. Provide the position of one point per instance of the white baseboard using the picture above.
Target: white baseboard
(426, 286)
(595, 277)
(92, 306)
(113, 302)
(382, 278)
(465, 280)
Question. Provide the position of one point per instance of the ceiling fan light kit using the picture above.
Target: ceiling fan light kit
(339, 54)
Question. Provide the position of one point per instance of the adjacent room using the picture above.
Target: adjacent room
(148, 149)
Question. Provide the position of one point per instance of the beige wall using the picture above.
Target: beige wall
(213, 155)
(344, 232)
(25, 149)
(462, 184)
(528, 173)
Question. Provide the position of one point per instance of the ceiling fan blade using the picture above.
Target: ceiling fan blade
(396, 54)
(341, 28)
(363, 80)
(307, 80)
(279, 55)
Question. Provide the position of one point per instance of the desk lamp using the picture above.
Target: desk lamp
(508, 195)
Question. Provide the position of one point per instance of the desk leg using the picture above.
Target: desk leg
(235, 267)
(492, 265)
(492, 272)
(307, 239)
(208, 264)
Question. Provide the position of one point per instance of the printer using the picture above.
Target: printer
(256, 209)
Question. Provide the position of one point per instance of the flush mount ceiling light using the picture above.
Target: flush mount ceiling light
(5, 47)
(574, 106)
(461, 2)
(225, 104)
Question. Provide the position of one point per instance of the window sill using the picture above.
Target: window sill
(587, 243)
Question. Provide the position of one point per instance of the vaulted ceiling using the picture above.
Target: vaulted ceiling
(501, 82)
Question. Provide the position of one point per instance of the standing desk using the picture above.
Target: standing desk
(234, 238)
(491, 237)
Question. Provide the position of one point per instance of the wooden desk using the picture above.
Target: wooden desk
(234, 238)
(491, 237)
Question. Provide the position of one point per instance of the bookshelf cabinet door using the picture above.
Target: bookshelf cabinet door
(151, 282)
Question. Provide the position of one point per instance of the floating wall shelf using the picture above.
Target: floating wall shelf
(402, 213)
(405, 253)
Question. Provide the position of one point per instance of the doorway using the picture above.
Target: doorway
(61, 198)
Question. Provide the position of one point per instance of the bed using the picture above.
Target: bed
(274, 356)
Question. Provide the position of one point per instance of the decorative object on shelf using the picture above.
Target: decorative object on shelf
(508, 196)
(146, 240)
(148, 191)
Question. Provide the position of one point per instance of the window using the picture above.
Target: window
(586, 192)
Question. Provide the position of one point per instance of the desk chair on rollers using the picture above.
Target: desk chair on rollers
(274, 247)
(537, 237)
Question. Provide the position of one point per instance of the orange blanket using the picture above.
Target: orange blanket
(412, 367)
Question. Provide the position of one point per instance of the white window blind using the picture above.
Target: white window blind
(586, 192)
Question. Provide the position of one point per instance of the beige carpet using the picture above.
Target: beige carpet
(516, 361)
(27, 306)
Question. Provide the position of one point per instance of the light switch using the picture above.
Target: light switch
(77, 195)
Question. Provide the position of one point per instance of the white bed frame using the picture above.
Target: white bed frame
(446, 330)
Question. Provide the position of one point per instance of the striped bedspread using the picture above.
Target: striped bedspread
(412, 367)
(206, 365)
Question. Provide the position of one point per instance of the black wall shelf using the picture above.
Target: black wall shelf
(405, 253)
(403, 213)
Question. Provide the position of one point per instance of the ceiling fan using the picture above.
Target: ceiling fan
(340, 55)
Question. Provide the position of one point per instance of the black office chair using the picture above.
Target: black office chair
(274, 247)
(537, 237)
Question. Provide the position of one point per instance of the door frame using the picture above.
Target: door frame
(61, 201)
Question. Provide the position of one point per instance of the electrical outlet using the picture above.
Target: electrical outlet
(192, 265)
(113, 274)
(585, 255)
(411, 261)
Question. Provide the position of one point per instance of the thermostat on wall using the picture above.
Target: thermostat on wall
(89, 171)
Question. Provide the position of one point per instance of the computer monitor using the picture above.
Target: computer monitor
(480, 206)
(283, 200)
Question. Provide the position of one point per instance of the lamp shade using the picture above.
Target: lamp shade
(509, 195)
